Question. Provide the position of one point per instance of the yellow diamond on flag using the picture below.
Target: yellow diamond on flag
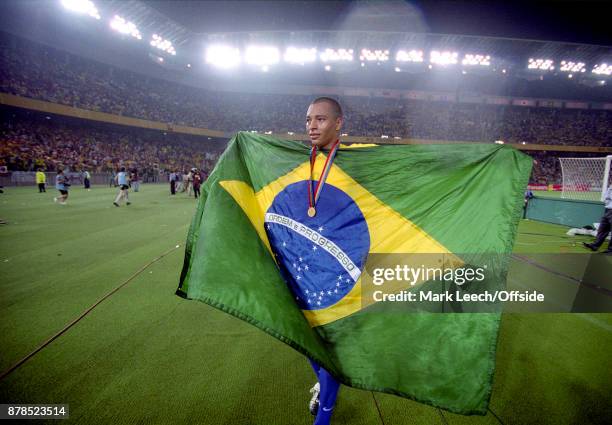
(389, 231)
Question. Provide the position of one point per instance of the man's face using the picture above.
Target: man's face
(322, 124)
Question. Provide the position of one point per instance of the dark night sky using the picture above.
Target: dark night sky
(573, 21)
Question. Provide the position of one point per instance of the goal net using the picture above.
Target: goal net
(585, 178)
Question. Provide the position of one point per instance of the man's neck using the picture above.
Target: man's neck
(328, 146)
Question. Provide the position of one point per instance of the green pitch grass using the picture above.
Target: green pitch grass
(146, 356)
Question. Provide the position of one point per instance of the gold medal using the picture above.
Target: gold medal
(313, 196)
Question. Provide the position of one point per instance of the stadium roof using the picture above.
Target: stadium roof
(390, 24)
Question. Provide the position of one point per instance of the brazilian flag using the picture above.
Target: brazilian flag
(253, 252)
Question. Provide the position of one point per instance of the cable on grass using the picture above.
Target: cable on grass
(382, 421)
(82, 315)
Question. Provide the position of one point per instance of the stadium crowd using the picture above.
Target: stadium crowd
(32, 70)
(31, 142)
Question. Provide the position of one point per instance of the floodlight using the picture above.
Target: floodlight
(82, 6)
(223, 56)
(162, 44)
(122, 26)
(336, 55)
(570, 66)
(262, 55)
(374, 55)
(542, 64)
(409, 56)
(602, 69)
(443, 58)
(476, 59)
(300, 55)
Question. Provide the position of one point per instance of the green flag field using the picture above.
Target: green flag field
(89, 318)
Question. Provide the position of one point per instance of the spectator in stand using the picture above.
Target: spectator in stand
(40, 72)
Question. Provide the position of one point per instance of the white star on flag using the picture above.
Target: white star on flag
(306, 267)
(320, 229)
(314, 248)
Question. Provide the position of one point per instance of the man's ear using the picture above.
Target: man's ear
(339, 123)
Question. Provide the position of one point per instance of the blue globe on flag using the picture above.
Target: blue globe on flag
(320, 257)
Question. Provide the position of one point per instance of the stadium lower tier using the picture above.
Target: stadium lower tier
(30, 140)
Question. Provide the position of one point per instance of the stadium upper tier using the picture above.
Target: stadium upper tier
(32, 70)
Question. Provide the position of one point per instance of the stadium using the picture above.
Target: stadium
(467, 136)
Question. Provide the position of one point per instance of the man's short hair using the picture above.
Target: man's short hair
(333, 102)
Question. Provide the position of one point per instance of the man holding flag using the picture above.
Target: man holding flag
(284, 247)
(324, 120)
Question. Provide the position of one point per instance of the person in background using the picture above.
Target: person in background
(173, 177)
(189, 181)
(86, 179)
(135, 181)
(528, 197)
(605, 225)
(61, 184)
(197, 181)
(123, 182)
(41, 180)
(182, 182)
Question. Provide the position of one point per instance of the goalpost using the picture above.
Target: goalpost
(585, 178)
